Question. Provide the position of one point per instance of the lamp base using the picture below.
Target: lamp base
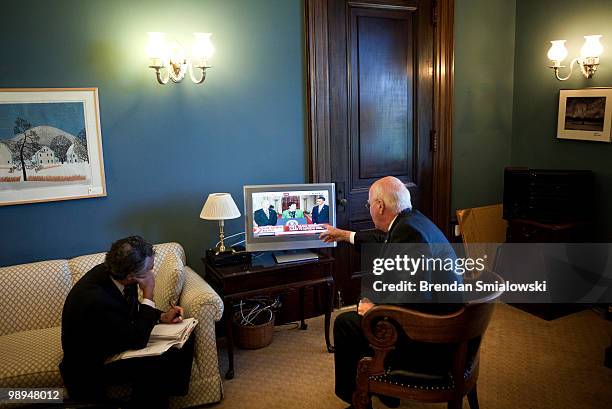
(225, 250)
(227, 258)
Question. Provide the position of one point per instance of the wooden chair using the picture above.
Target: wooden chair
(381, 325)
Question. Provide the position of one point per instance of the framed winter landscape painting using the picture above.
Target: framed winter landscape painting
(585, 114)
(50, 145)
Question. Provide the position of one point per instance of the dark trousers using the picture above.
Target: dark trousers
(350, 346)
(153, 379)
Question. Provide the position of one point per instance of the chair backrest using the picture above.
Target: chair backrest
(469, 322)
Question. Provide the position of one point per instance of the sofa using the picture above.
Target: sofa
(31, 301)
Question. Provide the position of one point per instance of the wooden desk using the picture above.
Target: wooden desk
(265, 277)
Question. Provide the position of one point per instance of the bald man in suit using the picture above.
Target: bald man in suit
(396, 222)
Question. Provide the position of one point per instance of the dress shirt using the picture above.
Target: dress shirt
(145, 301)
(352, 235)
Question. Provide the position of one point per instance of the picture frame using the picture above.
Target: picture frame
(50, 145)
(585, 114)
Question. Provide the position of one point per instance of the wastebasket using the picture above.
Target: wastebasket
(255, 334)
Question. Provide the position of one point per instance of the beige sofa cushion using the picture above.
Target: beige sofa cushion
(162, 250)
(32, 295)
(31, 358)
(82, 264)
(169, 282)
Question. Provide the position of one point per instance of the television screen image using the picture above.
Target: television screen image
(288, 216)
(294, 212)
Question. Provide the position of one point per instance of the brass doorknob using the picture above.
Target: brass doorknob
(342, 202)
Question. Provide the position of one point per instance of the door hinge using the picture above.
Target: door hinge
(433, 136)
(434, 13)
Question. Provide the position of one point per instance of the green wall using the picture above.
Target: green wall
(536, 91)
(482, 112)
(165, 147)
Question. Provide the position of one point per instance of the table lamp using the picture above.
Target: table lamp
(220, 206)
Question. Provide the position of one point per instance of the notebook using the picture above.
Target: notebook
(163, 337)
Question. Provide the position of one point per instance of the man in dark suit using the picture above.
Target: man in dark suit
(320, 213)
(102, 317)
(266, 216)
(396, 222)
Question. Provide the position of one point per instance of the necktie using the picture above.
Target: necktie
(129, 294)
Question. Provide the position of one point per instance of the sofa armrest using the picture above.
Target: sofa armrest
(198, 297)
(201, 302)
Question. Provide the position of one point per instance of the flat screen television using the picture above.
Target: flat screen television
(288, 217)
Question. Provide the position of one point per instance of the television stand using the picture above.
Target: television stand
(290, 256)
(264, 277)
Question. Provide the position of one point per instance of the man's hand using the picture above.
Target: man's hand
(146, 282)
(364, 306)
(172, 316)
(333, 234)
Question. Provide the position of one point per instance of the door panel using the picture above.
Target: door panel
(388, 109)
(381, 93)
(380, 114)
(380, 80)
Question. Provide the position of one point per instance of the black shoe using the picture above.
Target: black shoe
(389, 401)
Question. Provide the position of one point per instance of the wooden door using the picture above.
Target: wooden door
(379, 118)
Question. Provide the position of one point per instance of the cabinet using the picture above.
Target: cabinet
(531, 231)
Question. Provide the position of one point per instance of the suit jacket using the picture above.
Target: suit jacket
(411, 226)
(96, 324)
(262, 220)
(322, 217)
(298, 214)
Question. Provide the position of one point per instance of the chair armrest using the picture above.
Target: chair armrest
(198, 297)
(381, 334)
(380, 325)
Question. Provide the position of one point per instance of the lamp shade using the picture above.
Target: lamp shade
(203, 47)
(592, 47)
(557, 51)
(219, 206)
(157, 47)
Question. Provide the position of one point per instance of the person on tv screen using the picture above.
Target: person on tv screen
(266, 216)
(293, 212)
(320, 213)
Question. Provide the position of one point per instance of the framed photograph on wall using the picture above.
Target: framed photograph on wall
(50, 145)
(585, 114)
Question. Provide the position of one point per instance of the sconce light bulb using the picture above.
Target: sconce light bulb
(592, 47)
(557, 51)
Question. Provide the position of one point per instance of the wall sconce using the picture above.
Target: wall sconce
(169, 60)
(588, 60)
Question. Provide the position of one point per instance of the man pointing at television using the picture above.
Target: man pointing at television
(396, 222)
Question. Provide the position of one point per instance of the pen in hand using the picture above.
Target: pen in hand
(173, 306)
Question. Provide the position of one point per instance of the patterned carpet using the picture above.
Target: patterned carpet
(526, 362)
